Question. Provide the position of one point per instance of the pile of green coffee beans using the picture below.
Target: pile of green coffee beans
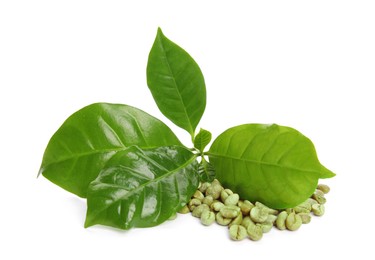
(212, 202)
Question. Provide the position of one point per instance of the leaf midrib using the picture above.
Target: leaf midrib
(142, 186)
(262, 163)
(175, 84)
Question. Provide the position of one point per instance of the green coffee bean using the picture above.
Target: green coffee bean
(232, 199)
(324, 188)
(237, 232)
(246, 221)
(197, 211)
(207, 217)
(266, 227)
(245, 207)
(198, 195)
(319, 197)
(237, 220)
(217, 205)
(214, 190)
(204, 187)
(289, 210)
(185, 209)
(311, 201)
(230, 211)
(268, 209)
(173, 216)
(208, 200)
(304, 207)
(259, 214)
(216, 182)
(293, 221)
(306, 217)
(271, 219)
(221, 220)
(212, 202)
(194, 203)
(225, 194)
(228, 191)
(319, 192)
(281, 219)
(318, 209)
(254, 232)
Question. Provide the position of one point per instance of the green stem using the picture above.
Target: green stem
(192, 137)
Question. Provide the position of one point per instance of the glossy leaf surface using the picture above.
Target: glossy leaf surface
(90, 137)
(176, 83)
(202, 139)
(273, 164)
(142, 188)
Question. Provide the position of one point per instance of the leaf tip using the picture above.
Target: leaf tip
(160, 32)
(88, 222)
(326, 173)
(40, 172)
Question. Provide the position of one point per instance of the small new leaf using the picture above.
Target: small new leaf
(206, 171)
(202, 139)
(176, 83)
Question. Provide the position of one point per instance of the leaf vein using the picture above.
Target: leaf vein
(141, 187)
(175, 83)
(101, 119)
(138, 127)
(262, 162)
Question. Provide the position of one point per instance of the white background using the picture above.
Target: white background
(305, 64)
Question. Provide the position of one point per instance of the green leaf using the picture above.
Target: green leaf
(202, 139)
(206, 171)
(90, 137)
(176, 83)
(273, 164)
(142, 188)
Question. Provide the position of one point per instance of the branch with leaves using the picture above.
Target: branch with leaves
(135, 172)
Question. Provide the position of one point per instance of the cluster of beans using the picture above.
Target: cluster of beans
(212, 202)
